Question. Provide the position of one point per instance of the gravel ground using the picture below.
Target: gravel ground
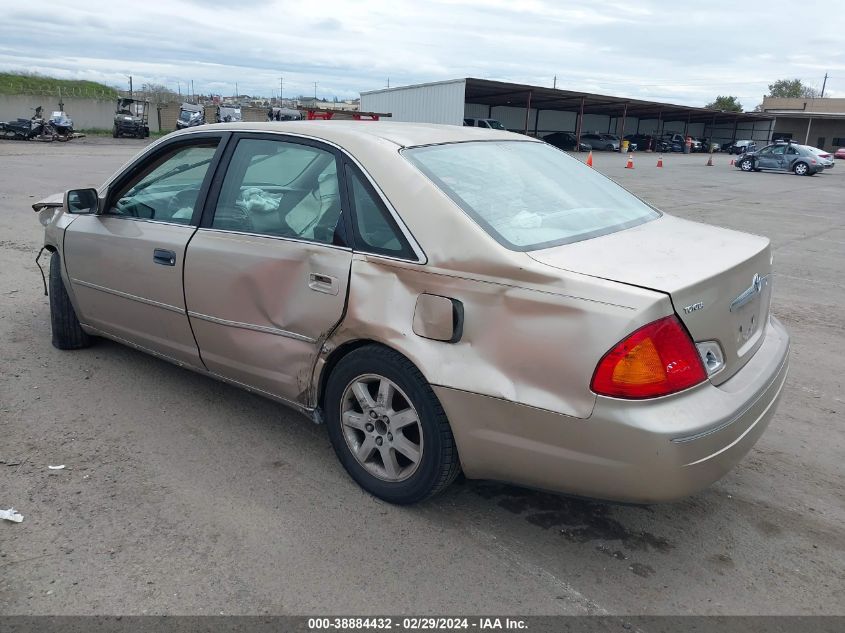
(181, 495)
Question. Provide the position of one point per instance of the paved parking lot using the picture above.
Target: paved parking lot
(183, 495)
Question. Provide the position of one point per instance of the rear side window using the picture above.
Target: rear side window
(529, 195)
(374, 228)
(280, 189)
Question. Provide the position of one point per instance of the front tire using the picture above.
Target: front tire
(388, 428)
(67, 333)
(746, 164)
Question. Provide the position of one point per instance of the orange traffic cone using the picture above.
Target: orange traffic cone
(660, 160)
(630, 164)
(710, 160)
(590, 159)
(732, 162)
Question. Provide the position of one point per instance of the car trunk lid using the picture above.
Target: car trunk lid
(719, 280)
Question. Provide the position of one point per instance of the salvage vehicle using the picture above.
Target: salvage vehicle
(229, 114)
(492, 124)
(647, 142)
(62, 124)
(131, 118)
(190, 115)
(567, 141)
(443, 298)
(799, 159)
(742, 146)
(35, 128)
(600, 142)
(283, 114)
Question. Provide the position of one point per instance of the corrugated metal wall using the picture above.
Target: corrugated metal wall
(430, 103)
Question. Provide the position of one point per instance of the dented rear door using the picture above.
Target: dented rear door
(266, 276)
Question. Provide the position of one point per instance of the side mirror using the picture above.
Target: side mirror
(82, 201)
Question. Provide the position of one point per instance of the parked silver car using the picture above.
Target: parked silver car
(604, 142)
(444, 298)
(799, 159)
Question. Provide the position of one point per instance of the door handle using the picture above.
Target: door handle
(164, 257)
(323, 283)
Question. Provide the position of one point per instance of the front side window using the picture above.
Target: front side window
(280, 189)
(168, 187)
(529, 195)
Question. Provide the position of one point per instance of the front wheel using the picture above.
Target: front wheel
(801, 169)
(388, 428)
(67, 333)
(114, 132)
(746, 164)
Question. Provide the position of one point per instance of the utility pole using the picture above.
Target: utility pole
(554, 85)
(281, 88)
(824, 83)
(130, 87)
(315, 93)
(236, 90)
(193, 96)
(388, 82)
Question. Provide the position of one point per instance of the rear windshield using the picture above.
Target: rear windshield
(529, 195)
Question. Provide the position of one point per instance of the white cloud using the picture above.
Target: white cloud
(681, 52)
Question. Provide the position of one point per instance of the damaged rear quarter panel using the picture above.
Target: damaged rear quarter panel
(536, 343)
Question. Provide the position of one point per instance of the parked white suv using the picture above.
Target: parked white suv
(488, 123)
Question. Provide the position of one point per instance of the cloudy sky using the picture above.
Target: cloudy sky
(681, 51)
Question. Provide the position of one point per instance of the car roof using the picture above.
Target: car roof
(342, 132)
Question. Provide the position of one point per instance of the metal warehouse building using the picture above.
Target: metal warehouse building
(538, 111)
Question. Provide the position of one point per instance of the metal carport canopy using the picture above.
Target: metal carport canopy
(500, 93)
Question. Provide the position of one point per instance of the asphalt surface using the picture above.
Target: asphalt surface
(181, 495)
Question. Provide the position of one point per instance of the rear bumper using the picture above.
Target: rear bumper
(635, 451)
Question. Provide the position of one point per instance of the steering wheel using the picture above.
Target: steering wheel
(185, 198)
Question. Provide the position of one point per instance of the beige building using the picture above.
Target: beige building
(817, 122)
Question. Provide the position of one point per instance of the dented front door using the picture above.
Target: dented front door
(265, 275)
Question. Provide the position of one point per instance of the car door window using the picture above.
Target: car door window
(167, 188)
(281, 189)
(792, 151)
(374, 229)
(779, 151)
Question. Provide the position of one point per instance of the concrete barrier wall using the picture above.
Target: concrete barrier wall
(86, 113)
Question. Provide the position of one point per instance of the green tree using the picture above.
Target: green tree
(791, 88)
(726, 103)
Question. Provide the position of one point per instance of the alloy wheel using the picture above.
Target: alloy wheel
(381, 427)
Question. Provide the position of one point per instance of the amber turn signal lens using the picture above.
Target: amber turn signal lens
(658, 359)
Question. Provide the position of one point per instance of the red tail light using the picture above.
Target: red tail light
(656, 360)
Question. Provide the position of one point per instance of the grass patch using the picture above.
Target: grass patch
(32, 83)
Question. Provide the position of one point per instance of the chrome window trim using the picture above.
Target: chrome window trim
(105, 214)
(284, 238)
(250, 326)
(126, 295)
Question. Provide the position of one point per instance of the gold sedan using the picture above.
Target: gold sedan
(443, 298)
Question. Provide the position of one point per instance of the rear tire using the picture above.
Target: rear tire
(801, 169)
(67, 333)
(390, 457)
